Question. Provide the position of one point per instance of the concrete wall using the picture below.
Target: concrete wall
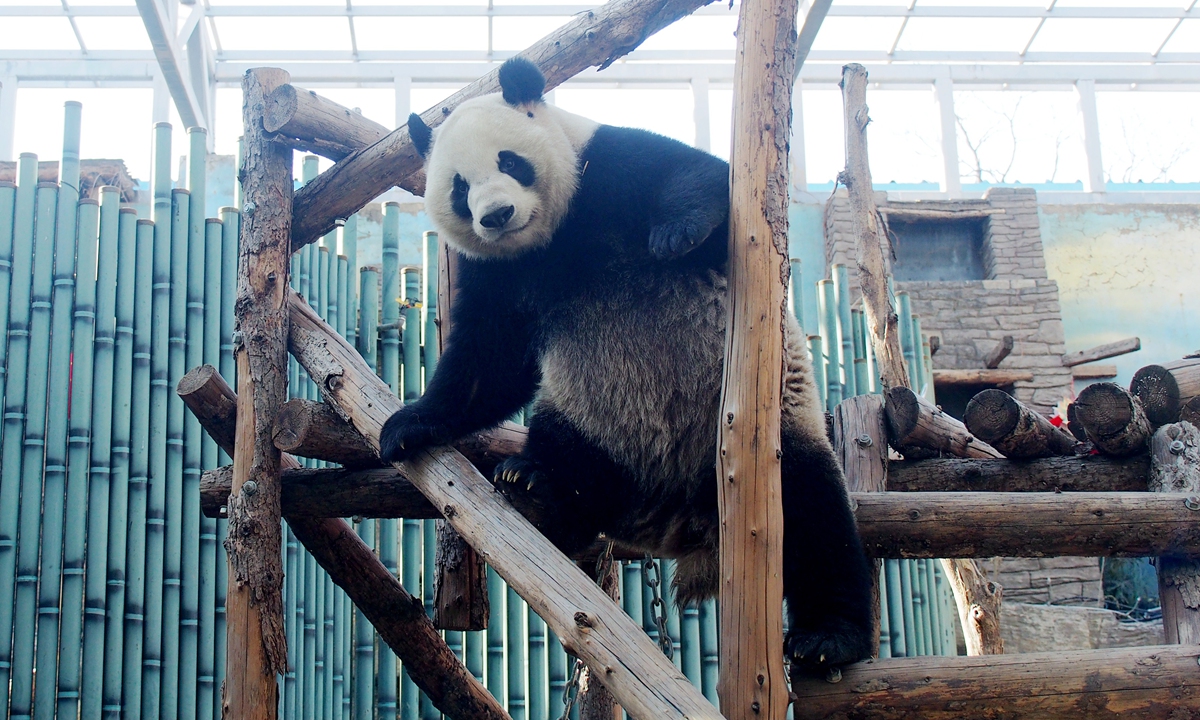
(1125, 270)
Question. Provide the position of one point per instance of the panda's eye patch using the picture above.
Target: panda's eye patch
(516, 167)
(458, 197)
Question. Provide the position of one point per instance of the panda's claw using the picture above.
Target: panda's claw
(674, 239)
(817, 652)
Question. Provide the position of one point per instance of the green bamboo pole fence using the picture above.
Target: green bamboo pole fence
(515, 639)
(364, 634)
(350, 250)
(841, 295)
(33, 448)
(689, 660)
(918, 357)
(830, 345)
(862, 377)
(309, 682)
(904, 311)
(103, 401)
(927, 354)
(54, 462)
(885, 620)
(325, 641)
(8, 200)
(494, 673)
(11, 446)
(388, 695)
(557, 669)
(135, 551)
(816, 353)
(154, 595)
(231, 221)
(118, 505)
(79, 450)
(796, 290)
(708, 650)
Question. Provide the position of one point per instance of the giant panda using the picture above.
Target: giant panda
(592, 283)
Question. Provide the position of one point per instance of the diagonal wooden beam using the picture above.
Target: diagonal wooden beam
(583, 617)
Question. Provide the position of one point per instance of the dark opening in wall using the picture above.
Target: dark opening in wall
(937, 250)
(953, 398)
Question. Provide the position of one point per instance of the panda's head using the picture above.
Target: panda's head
(502, 169)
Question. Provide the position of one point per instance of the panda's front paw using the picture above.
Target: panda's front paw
(675, 239)
(833, 645)
(406, 432)
(521, 478)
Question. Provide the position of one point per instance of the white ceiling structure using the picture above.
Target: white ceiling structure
(189, 48)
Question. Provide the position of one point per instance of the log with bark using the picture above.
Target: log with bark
(1148, 683)
(1086, 473)
(592, 38)
(1014, 429)
(580, 614)
(1002, 350)
(1164, 389)
(1112, 419)
(1101, 352)
(914, 421)
(981, 376)
(1175, 468)
(316, 124)
(314, 430)
(395, 613)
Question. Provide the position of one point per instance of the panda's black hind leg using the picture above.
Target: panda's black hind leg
(568, 488)
(826, 578)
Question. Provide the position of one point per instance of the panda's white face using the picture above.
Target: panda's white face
(500, 177)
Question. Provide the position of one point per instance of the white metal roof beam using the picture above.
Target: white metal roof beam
(170, 60)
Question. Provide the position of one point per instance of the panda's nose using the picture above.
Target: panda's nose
(498, 218)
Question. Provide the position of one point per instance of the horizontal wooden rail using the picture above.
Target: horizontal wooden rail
(583, 617)
(1087, 473)
(892, 524)
(1147, 683)
(593, 38)
(395, 613)
(1101, 352)
(316, 124)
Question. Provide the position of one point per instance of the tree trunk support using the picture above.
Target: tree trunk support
(1019, 432)
(396, 614)
(752, 683)
(255, 641)
(884, 325)
(1175, 468)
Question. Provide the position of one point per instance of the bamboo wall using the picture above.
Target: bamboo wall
(112, 584)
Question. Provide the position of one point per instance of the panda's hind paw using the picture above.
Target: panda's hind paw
(519, 479)
(819, 651)
(675, 239)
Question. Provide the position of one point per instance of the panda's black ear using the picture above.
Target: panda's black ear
(420, 134)
(521, 81)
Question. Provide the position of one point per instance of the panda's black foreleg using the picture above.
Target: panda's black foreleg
(826, 577)
(693, 201)
(566, 486)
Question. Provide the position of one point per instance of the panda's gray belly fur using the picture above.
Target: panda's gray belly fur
(636, 367)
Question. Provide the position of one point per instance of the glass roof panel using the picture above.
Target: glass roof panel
(664, 111)
(409, 3)
(1148, 136)
(1181, 4)
(707, 32)
(1186, 37)
(283, 33)
(1101, 35)
(90, 3)
(113, 33)
(38, 3)
(965, 34)
(855, 33)
(518, 33)
(984, 3)
(277, 3)
(421, 33)
(37, 33)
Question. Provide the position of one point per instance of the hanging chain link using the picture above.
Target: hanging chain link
(571, 692)
(658, 609)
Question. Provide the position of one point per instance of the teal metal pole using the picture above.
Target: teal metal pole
(330, 650)
(495, 678)
(390, 343)
(919, 610)
(309, 682)
(538, 678)
(927, 354)
(180, 642)
(796, 290)
(322, 285)
(673, 620)
(862, 378)
(11, 448)
(904, 311)
(229, 262)
(95, 579)
(708, 651)
(135, 551)
(411, 342)
(841, 295)
(410, 570)
(364, 634)
(429, 276)
(75, 539)
(62, 295)
(350, 250)
(918, 357)
(830, 345)
(8, 200)
(690, 644)
(339, 657)
(158, 601)
(345, 312)
(557, 669)
(368, 335)
(32, 468)
(516, 637)
(291, 551)
(389, 702)
(118, 499)
(816, 353)
(899, 611)
(632, 597)
(885, 621)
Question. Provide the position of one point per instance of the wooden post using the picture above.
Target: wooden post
(1112, 419)
(860, 441)
(460, 596)
(578, 612)
(256, 646)
(396, 614)
(1175, 468)
(1019, 432)
(752, 682)
(595, 701)
(971, 595)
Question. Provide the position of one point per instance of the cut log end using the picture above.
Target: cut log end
(992, 415)
(195, 380)
(1104, 408)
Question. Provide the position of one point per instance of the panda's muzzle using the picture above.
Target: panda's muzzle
(498, 218)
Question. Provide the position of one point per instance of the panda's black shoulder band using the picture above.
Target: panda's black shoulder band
(521, 81)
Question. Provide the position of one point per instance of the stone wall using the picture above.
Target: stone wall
(1049, 581)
